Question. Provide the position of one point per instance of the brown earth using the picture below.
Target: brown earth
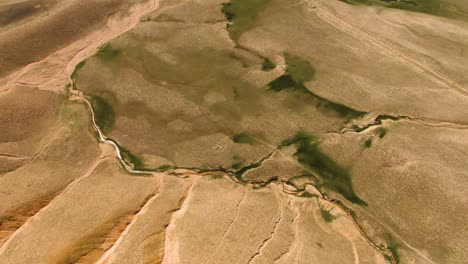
(173, 150)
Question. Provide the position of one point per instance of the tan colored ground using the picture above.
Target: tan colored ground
(390, 72)
(391, 174)
(206, 171)
(260, 226)
(67, 152)
(30, 34)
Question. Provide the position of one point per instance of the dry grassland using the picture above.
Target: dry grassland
(241, 131)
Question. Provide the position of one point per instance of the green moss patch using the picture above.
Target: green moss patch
(268, 65)
(104, 114)
(283, 82)
(77, 68)
(237, 165)
(327, 216)
(368, 143)
(106, 52)
(393, 247)
(299, 71)
(306, 194)
(242, 15)
(164, 167)
(332, 175)
(243, 138)
(382, 132)
(130, 158)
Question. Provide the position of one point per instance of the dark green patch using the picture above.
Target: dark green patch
(104, 114)
(239, 173)
(342, 110)
(237, 165)
(243, 138)
(164, 167)
(299, 71)
(353, 214)
(298, 68)
(77, 68)
(242, 15)
(307, 195)
(129, 158)
(268, 65)
(332, 175)
(67, 89)
(327, 216)
(378, 121)
(382, 132)
(283, 82)
(106, 52)
(368, 143)
(395, 254)
(393, 247)
(306, 175)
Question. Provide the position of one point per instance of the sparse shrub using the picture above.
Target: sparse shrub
(331, 174)
(243, 138)
(268, 65)
(368, 143)
(327, 216)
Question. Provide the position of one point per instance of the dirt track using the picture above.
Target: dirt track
(324, 13)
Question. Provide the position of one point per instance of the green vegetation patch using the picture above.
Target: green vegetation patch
(237, 165)
(306, 194)
(341, 109)
(268, 65)
(77, 68)
(382, 132)
(106, 52)
(243, 138)
(299, 71)
(242, 15)
(104, 114)
(393, 247)
(368, 143)
(332, 175)
(283, 82)
(327, 216)
(164, 167)
(130, 158)
(423, 6)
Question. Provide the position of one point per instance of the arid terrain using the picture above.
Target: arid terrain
(234, 131)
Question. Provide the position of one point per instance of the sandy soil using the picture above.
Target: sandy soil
(43, 148)
(69, 197)
(100, 200)
(52, 72)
